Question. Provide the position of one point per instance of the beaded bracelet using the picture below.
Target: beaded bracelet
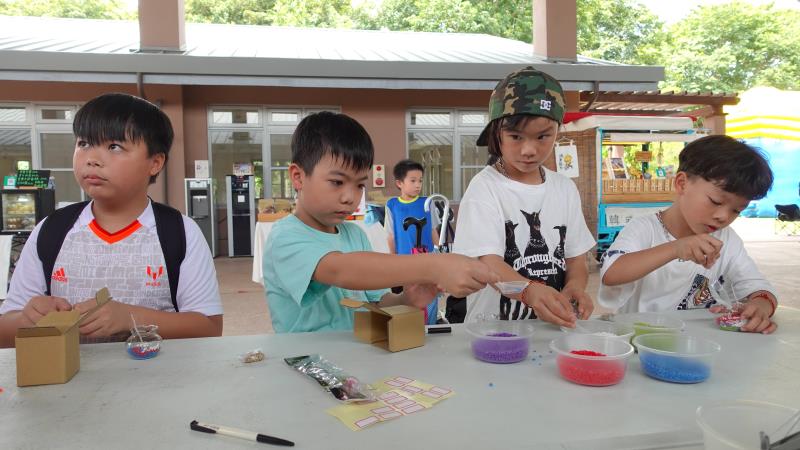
(530, 282)
(773, 303)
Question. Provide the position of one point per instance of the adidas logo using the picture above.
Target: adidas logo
(59, 275)
(154, 274)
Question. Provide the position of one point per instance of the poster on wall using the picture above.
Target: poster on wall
(201, 168)
(241, 169)
(567, 160)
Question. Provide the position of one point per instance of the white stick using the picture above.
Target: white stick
(136, 329)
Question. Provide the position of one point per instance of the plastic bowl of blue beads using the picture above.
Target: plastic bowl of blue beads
(676, 358)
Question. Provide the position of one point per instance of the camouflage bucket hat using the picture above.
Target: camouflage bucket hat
(526, 91)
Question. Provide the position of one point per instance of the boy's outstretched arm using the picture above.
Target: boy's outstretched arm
(457, 274)
(702, 249)
(115, 317)
(416, 295)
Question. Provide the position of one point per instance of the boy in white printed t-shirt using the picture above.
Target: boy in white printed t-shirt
(523, 221)
(674, 259)
(154, 261)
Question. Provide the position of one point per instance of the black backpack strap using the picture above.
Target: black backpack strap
(52, 234)
(172, 236)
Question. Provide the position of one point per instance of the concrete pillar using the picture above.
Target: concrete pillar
(162, 25)
(555, 29)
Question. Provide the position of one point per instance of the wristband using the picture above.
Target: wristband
(773, 303)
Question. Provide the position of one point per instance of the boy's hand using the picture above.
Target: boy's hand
(461, 275)
(549, 304)
(757, 312)
(40, 306)
(585, 303)
(702, 249)
(112, 318)
(420, 295)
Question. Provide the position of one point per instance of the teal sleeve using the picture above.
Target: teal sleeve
(294, 258)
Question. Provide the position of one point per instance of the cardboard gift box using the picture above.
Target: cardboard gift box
(48, 353)
(393, 328)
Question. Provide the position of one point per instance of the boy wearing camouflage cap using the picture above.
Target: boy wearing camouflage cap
(521, 219)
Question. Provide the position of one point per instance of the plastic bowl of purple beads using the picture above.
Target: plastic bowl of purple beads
(501, 341)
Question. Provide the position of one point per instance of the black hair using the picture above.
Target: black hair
(123, 117)
(402, 168)
(328, 133)
(512, 122)
(728, 163)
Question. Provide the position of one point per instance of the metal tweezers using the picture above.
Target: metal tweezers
(790, 442)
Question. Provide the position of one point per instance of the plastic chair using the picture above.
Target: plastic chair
(788, 220)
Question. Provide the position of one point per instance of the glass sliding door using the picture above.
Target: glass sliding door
(56, 147)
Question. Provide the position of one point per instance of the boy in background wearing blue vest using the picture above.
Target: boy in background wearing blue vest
(122, 143)
(408, 176)
(313, 258)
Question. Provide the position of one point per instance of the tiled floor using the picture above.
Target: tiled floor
(778, 258)
(244, 302)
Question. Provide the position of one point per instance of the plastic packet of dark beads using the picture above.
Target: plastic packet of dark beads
(344, 387)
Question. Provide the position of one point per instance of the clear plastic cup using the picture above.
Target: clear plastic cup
(650, 322)
(736, 424)
(601, 328)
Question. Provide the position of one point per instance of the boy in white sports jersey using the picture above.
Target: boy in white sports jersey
(122, 145)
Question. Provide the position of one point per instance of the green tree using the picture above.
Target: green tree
(315, 13)
(77, 9)
(733, 47)
(310, 13)
(250, 12)
(623, 31)
(452, 16)
(617, 30)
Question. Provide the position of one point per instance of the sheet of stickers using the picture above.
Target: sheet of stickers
(396, 397)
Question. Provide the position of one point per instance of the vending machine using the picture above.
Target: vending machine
(22, 209)
(241, 214)
(200, 208)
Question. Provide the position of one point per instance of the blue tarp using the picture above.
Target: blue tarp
(784, 159)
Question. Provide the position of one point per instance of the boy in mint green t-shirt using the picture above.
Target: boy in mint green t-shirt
(313, 258)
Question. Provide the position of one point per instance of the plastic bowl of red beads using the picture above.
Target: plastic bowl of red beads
(501, 341)
(591, 360)
(676, 358)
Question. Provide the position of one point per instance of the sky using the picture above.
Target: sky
(672, 11)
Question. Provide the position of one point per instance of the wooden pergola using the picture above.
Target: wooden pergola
(657, 103)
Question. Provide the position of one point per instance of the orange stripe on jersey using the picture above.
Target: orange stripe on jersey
(114, 237)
